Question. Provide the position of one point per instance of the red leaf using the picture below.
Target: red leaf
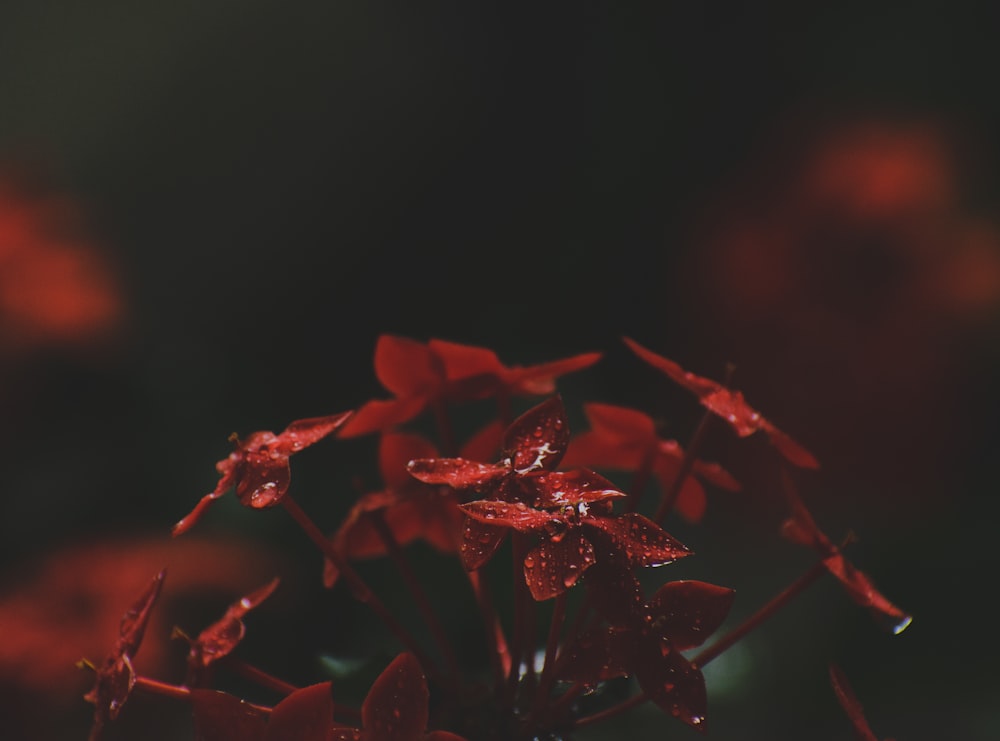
(115, 677)
(507, 514)
(590, 659)
(687, 612)
(396, 706)
(220, 638)
(640, 540)
(479, 542)
(554, 565)
(557, 489)
(258, 467)
(537, 440)
(304, 715)
(458, 473)
(406, 367)
(219, 716)
(673, 683)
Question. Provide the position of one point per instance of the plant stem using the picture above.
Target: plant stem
(640, 478)
(377, 519)
(611, 712)
(362, 592)
(264, 679)
(776, 603)
(496, 642)
(551, 646)
(156, 687)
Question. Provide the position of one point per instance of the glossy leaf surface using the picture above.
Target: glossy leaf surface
(258, 467)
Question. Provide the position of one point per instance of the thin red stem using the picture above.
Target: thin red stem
(551, 646)
(417, 592)
(362, 592)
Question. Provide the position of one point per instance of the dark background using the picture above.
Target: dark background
(275, 186)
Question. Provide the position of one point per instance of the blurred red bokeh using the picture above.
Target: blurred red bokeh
(843, 279)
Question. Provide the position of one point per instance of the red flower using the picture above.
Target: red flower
(533, 445)
(576, 515)
(116, 677)
(422, 375)
(728, 404)
(680, 616)
(395, 708)
(625, 439)
(220, 638)
(801, 528)
(258, 467)
(411, 509)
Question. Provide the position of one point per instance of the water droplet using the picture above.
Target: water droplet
(902, 625)
(264, 495)
(396, 713)
(529, 562)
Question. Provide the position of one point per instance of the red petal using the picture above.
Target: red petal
(537, 440)
(555, 565)
(395, 451)
(673, 683)
(305, 715)
(849, 702)
(378, 415)
(621, 425)
(396, 706)
(507, 514)
(640, 540)
(262, 478)
(220, 638)
(479, 542)
(590, 658)
(457, 473)
(219, 716)
(304, 432)
(540, 379)
(688, 612)
(792, 451)
(133, 624)
(690, 381)
(595, 450)
(465, 361)
(862, 590)
(406, 367)
(557, 489)
(443, 736)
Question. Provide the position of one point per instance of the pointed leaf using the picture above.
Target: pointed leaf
(396, 706)
(382, 414)
(220, 638)
(590, 659)
(537, 440)
(554, 565)
(305, 432)
(540, 379)
(687, 612)
(640, 540)
(556, 489)
(673, 683)
(304, 715)
(465, 361)
(479, 542)
(507, 514)
(406, 367)
(219, 716)
(458, 473)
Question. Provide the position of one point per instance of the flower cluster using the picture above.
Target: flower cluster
(523, 484)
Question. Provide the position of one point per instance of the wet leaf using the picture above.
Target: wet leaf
(115, 678)
(219, 639)
(642, 541)
(673, 683)
(219, 716)
(537, 440)
(258, 467)
(688, 612)
(304, 715)
(554, 566)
